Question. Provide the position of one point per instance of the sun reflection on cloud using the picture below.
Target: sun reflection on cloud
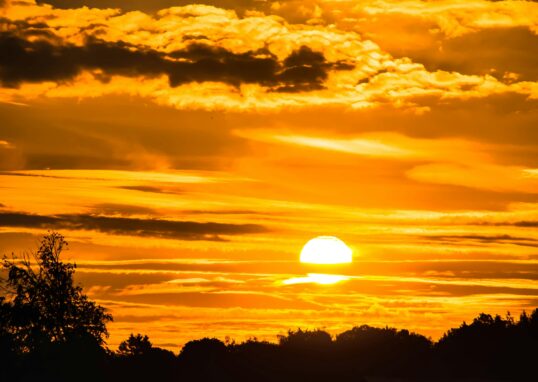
(317, 278)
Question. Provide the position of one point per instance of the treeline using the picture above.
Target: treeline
(50, 331)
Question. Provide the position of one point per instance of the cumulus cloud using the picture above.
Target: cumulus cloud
(503, 53)
(215, 59)
(152, 5)
(452, 17)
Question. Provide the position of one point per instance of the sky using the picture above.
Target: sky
(188, 151)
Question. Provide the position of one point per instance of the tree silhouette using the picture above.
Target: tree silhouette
(7, 355)
(366, 349)
(305, 339)
(491, 346)
(135, 346)
(137, 360)
(51, 331)
(42, 305)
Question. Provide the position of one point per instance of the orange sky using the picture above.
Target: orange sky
(188, 152)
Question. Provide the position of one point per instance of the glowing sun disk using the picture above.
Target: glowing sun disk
(326, 250)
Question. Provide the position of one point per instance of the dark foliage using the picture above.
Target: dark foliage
(491, 346)
(50, 331)
(137, 360)
(43, 306)
(136, 346)
(366, 350)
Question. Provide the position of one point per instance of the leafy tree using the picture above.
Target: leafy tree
(205, 349)
(43, 305)
(367, 349)
(491, 346)
(135, 346)
(306, 339)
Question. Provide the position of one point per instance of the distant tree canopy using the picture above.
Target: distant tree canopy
(305, 339)
(41, 303)
(135, 346)
(494, 345)
(203, 351)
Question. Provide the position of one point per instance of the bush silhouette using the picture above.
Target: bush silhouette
(206, 359)
(137, 360)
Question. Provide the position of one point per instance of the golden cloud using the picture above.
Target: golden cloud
(204, 57)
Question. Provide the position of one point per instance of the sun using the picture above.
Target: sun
(326, 250)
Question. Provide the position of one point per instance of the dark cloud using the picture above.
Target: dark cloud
(184, 230)
(151, 189)
(155, 5)
(121, 209)
(500, 239)
(223, 212)
(46, 59)
(209, 63)
(523, 224)
(2, 205)
(305, 69)
(489, 51)
(529, 223)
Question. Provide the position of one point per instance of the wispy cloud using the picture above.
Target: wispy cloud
(182, 230)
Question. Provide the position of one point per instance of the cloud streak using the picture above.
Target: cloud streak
(496, 239)
(169, 229)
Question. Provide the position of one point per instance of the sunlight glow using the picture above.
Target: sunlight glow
(316, 278)
(368, 147)
(326, 250)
